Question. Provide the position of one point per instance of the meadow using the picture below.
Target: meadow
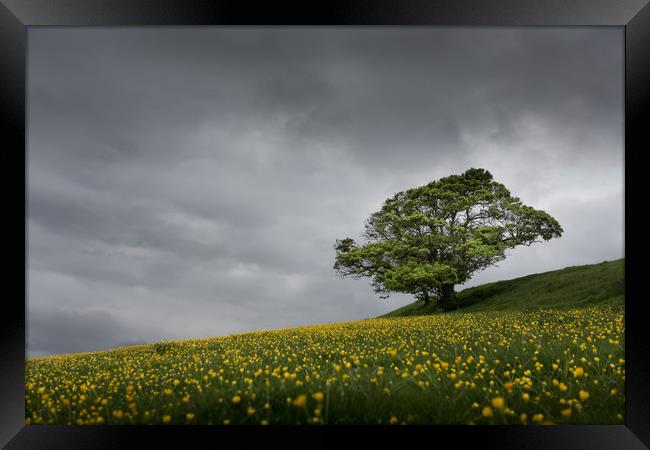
(545, 366)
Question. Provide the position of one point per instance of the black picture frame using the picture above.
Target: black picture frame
(16, 16)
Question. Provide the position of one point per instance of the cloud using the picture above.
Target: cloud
(60, 331)
(191, 182)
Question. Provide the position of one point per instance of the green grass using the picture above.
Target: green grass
(572, 287)
(543, 349)
(496, 367)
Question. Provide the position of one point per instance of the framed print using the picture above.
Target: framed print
(305, 223)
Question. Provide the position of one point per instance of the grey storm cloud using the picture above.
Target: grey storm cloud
(191, 182)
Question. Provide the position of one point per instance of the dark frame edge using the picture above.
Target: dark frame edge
(637, 101)
(13, 36)
(13, 47)
(334, 12)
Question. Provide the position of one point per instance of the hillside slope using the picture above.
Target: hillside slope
(492, 367)
(594, 284)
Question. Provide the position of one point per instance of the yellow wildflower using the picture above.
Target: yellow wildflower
(498, 402)
(300, 401)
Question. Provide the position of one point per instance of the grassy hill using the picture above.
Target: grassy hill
(545, 349)
(578, 286)
(494, 367)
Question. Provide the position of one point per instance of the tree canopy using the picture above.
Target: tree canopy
(427, 239)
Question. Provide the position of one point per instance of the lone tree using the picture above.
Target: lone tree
(425, 240)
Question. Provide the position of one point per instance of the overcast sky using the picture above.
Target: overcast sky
(191, 182)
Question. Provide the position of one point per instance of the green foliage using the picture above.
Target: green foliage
(589, 285)
(162, 348)
(425, 240)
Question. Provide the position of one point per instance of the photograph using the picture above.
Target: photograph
(333, 225)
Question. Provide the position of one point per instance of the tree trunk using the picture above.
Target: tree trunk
(448, 298)
(425, 297)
